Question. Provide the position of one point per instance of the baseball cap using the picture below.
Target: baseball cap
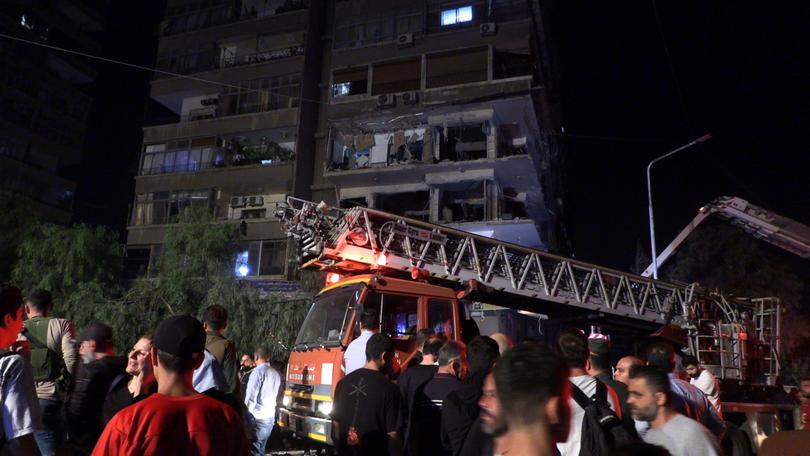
(181, 336)
(100, 333)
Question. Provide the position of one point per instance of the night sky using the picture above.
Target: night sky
(735, 73)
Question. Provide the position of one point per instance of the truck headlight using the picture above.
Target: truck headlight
(325, 407)
(286, 401)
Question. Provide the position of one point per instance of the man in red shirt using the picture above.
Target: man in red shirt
(176, 419)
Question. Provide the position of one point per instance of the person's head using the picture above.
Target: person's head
(804, 390)
(215, 318)
(661, 355)
(370, 320)
(598, 356)
(262, 355)
(379, 352)
(482, 352)
(177, 350)
(422, 336)
(39, 303)
(573, 347)
(492, 422)
(451, 359)
(533, 388)
(691, 366)
(11, 315)
(430, 351)
(139, 355)
(648, 392)
(502, 340)
(624, 366)
(247, 361)
(95, 342)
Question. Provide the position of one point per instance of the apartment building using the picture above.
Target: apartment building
(431, 109)
(439, 111)
(43, 99)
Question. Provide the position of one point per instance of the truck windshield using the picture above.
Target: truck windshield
(326, 318)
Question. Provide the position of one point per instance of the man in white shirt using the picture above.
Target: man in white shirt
(260, 399)
(573, 348)
(649, 398)
(703, 380)
(355, 356)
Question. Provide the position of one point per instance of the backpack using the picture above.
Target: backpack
(602, 430)
(46, 364)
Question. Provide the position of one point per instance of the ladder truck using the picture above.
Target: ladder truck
(417, 274)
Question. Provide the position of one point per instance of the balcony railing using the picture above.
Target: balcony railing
(258, 57)
(264, 154)
(197, 62)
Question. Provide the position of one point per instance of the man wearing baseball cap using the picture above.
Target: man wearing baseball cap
(176, 419)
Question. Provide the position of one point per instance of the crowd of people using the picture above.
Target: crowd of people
(489, 398)
(180, 390)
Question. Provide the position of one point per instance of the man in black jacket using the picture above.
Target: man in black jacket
(460, 408)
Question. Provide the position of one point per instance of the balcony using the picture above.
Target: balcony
(194, 160)
(208, 60)
(183, 22)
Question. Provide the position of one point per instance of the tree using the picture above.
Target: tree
(13, 224)
(727, 258)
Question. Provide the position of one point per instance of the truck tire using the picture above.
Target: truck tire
(736, 442)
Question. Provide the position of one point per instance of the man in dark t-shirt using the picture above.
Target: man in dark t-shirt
(415, 377)
(367, 413)
(427, 412)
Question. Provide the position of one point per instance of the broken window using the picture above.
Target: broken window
(397, 76)
(463, 202)
(351, 81)
(462, 143)
(349, 203)
(513, 205)
(457, 67)
(274, 256)
(415, 205)
(510, 63)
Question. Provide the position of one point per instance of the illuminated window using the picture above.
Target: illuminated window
(457, 15)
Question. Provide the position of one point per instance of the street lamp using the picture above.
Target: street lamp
(703, 138)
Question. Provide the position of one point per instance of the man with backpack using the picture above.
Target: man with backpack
(596, 426)
(215, 320)
(54, 359)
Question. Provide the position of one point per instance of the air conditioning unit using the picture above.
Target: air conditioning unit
(237, 201)
(255, 201)
(386, 100)
(209, 101)
(405, 40)
(410, 98)
(488, 28)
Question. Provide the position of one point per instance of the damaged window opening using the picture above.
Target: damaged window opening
(513, 206)
(462, 143)
(397, 76)
(415, 205)
(352, 81)
(457, 67)
(510, 63)
(463, 204)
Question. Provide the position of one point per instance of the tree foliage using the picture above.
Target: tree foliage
(15, 220)
(727, 258)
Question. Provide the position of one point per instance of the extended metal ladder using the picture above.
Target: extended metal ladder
(361, 240)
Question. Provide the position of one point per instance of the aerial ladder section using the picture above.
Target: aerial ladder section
(362, 240)
(773, 228)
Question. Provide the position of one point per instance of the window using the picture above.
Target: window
(274, 256)
(457, 67)
(440, 317)
(457, 15)
(397, 313)
(178, 156)
(509, 63)
(165, 207)
(352, 81)
(397, 76)
(261, 258)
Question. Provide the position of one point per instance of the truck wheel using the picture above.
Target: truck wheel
(736, 442)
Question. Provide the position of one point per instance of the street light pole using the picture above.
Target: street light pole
(703, 138)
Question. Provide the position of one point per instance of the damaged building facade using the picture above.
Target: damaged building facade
(435, 110)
